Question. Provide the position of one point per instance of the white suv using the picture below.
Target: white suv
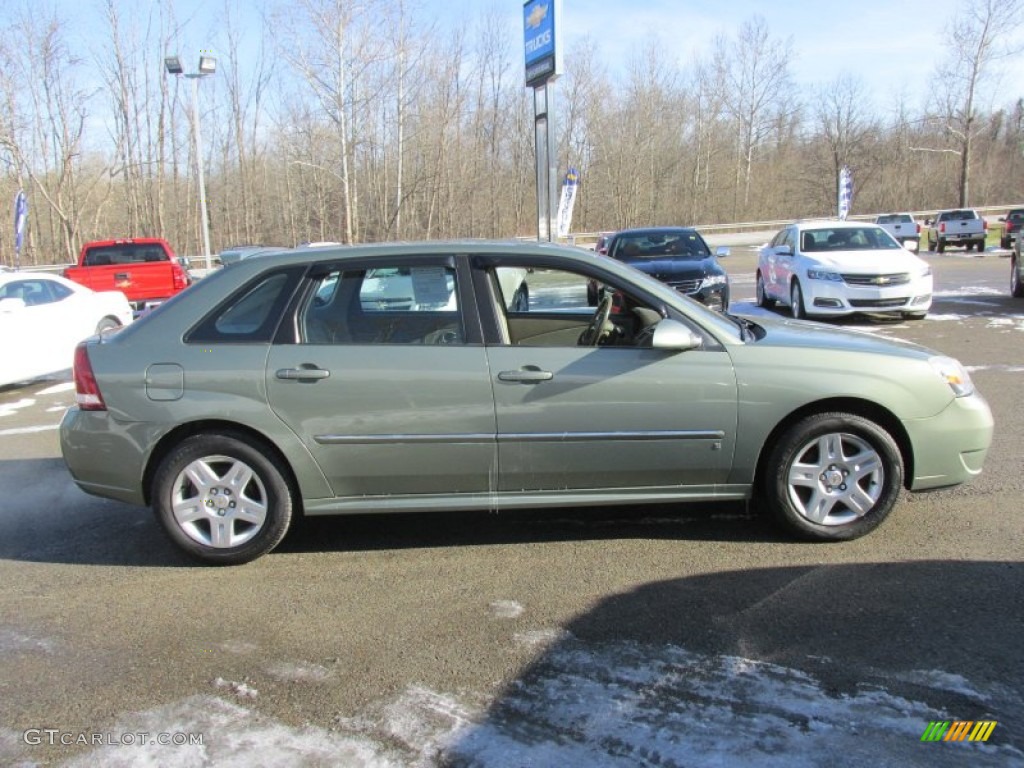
(830, 268)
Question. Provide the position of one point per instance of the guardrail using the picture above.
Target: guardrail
(589, 238)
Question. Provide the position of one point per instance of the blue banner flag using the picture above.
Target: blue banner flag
(20, 224)
(845, 192)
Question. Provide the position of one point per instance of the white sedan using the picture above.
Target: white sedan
(831, 268)
(43, 317)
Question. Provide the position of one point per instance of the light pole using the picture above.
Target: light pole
(207, 66)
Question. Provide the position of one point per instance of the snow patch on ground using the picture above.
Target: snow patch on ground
(541, 638)
(26, 430)
(12, 641)
(239, 647)
(610, 706)
(506, 609)
(68, 386)
(996, 367)
(9, 409)
(241, 690)
(300, 672)
(1013, 322)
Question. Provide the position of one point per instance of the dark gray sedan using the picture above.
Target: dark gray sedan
(416, 377)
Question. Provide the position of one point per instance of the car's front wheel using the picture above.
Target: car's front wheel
(796, 301)
(763, 299)
(833, 476)
(222, 499)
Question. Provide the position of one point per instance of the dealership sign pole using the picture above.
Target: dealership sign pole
(20, 222)
(542, 45)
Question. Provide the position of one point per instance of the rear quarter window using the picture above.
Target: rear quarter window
(251, 314)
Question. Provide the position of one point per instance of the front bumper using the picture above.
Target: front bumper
(950, 447)
(833, 299)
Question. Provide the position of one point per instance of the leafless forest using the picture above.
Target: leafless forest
(336, 120)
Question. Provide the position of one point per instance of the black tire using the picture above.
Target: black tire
(809, 492)
(763, 300)
(914, 315)
(107, 324)
(1005, 243)
(980, 246)
(256, 507)
(1016, 285)
(940, 246)
(796, 301)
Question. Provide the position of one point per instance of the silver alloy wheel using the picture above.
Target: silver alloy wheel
(796, 302)
(835, 478)
(219, 501)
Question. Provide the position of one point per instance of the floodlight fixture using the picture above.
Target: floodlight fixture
(173, 65)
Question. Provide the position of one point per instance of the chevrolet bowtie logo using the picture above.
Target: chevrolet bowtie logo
(881, 280)
(536, 16)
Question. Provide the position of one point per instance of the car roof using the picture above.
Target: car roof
(655, 231)
(424, 249)
(831, 224)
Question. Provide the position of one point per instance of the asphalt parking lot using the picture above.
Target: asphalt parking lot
(650, 636)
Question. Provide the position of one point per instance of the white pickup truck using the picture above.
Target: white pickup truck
(959, 227)
(902, 227)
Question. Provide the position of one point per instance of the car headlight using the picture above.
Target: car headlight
(714, 280)
(954, 374)
(821, 274)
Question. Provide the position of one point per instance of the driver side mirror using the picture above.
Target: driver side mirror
(673, 336)
(722, 251)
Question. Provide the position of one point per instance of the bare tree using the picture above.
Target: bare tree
(982, 35)
(757, 80)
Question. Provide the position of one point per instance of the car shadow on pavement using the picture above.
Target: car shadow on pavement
(45, 518)
(718, 521)
(48, 519)
(815, 665)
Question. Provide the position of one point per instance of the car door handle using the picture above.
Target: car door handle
(302, 374)
(526, 375)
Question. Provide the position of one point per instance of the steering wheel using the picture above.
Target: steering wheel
(595, 330)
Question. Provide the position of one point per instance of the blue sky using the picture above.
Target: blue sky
(892, 47)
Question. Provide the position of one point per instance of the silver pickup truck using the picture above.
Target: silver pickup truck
(902, 227)
(959, 227)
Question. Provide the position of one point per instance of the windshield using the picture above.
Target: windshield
(895, 218)
(847, 239)
(683, 245)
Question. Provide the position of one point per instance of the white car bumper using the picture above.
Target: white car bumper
(830, 298)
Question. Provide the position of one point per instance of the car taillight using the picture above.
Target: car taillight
(919, 229)
(942, 227)
(984, 224)
(179, 278)
(87, 391)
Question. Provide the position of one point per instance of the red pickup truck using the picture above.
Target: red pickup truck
(145, 269)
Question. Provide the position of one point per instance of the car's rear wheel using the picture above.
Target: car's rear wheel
(221, 499)
(1016, 287)
(796, 301)
(940, 246)
(107, 324)
(763, 300)
(833, 477)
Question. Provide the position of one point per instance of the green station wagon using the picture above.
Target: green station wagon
(475, 376)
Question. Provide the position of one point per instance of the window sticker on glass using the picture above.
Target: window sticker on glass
(433, 288)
